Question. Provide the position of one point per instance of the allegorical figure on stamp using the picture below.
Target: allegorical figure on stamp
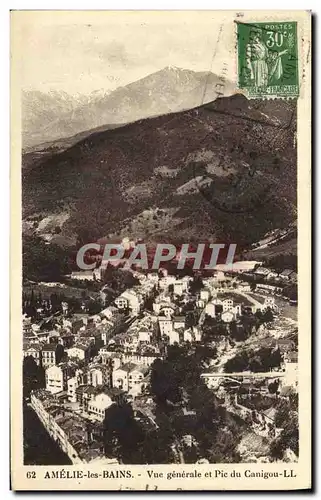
(263, 64)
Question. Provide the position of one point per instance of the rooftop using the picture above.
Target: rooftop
(49, 347)
(30, 347)
(286, 272)
(127, 367)
(82, 273)
(270, 413)
(80, 346)
(292, 357)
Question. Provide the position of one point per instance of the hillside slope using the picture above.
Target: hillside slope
(225, 171)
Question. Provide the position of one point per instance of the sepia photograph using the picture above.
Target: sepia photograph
(160, 287)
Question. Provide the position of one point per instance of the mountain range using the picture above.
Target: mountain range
(224, 171)
(55, 115)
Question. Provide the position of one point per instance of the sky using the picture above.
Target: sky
(113, 50)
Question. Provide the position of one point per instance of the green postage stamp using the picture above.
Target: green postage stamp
(268, 59)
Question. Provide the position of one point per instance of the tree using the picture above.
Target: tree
(268, 316)
(289, 438)
(190, 319)
(121, 432)
(196, 285)
(43, 262)
(163, 382)
(33, 375)
(273, 387)
(282, 414)
(259, 315)
(237, 364)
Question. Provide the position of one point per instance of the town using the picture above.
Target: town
(202, 369)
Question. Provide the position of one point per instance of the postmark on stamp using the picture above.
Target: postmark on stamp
(268, 59)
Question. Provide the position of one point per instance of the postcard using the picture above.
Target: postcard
(160, 250)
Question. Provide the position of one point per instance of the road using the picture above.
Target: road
(243, 374)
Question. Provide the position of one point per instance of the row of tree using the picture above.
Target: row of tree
(262, 360)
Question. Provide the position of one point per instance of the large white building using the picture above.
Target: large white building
(98, 405)
(174, 337)
(120, 376)
(130, 377)
(78, 351)
(72, 384)
(98, 374)
(166, 281)
(129, 300)
(82, 275)
(179, 287)
(165, 325)
(57, 377)
(290, 366)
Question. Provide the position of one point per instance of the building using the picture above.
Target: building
(285, 344)
(129, 300)
(51, 354)
(137, 379)
(262, 271)
(188, 337)
(107, 333)
(178, 322)
(98, 405)
(227, 316)
(272, 275)
(286, 274)
(290, 367)
(192, 334)
(130, 377)
(82, 275)
(179, 287)
(79, 320)
(165, 325)
(173, 337)
(121, 302)
(219, 275)
(57, 377)
(268, 288)
(99, 374)
(69, 430)
(66, 338)
(144, 335)
(167, 310)
(72, 384)
(33, 350)
(145, 358)
(166, 281)
(227, 304)
(110, 358)
(204, 295)
(120, 376)
(111, 313)
(210, 309)
(84, 394)
(79, 351)
(270, 302)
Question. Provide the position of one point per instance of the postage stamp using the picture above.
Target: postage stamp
(268, 59)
